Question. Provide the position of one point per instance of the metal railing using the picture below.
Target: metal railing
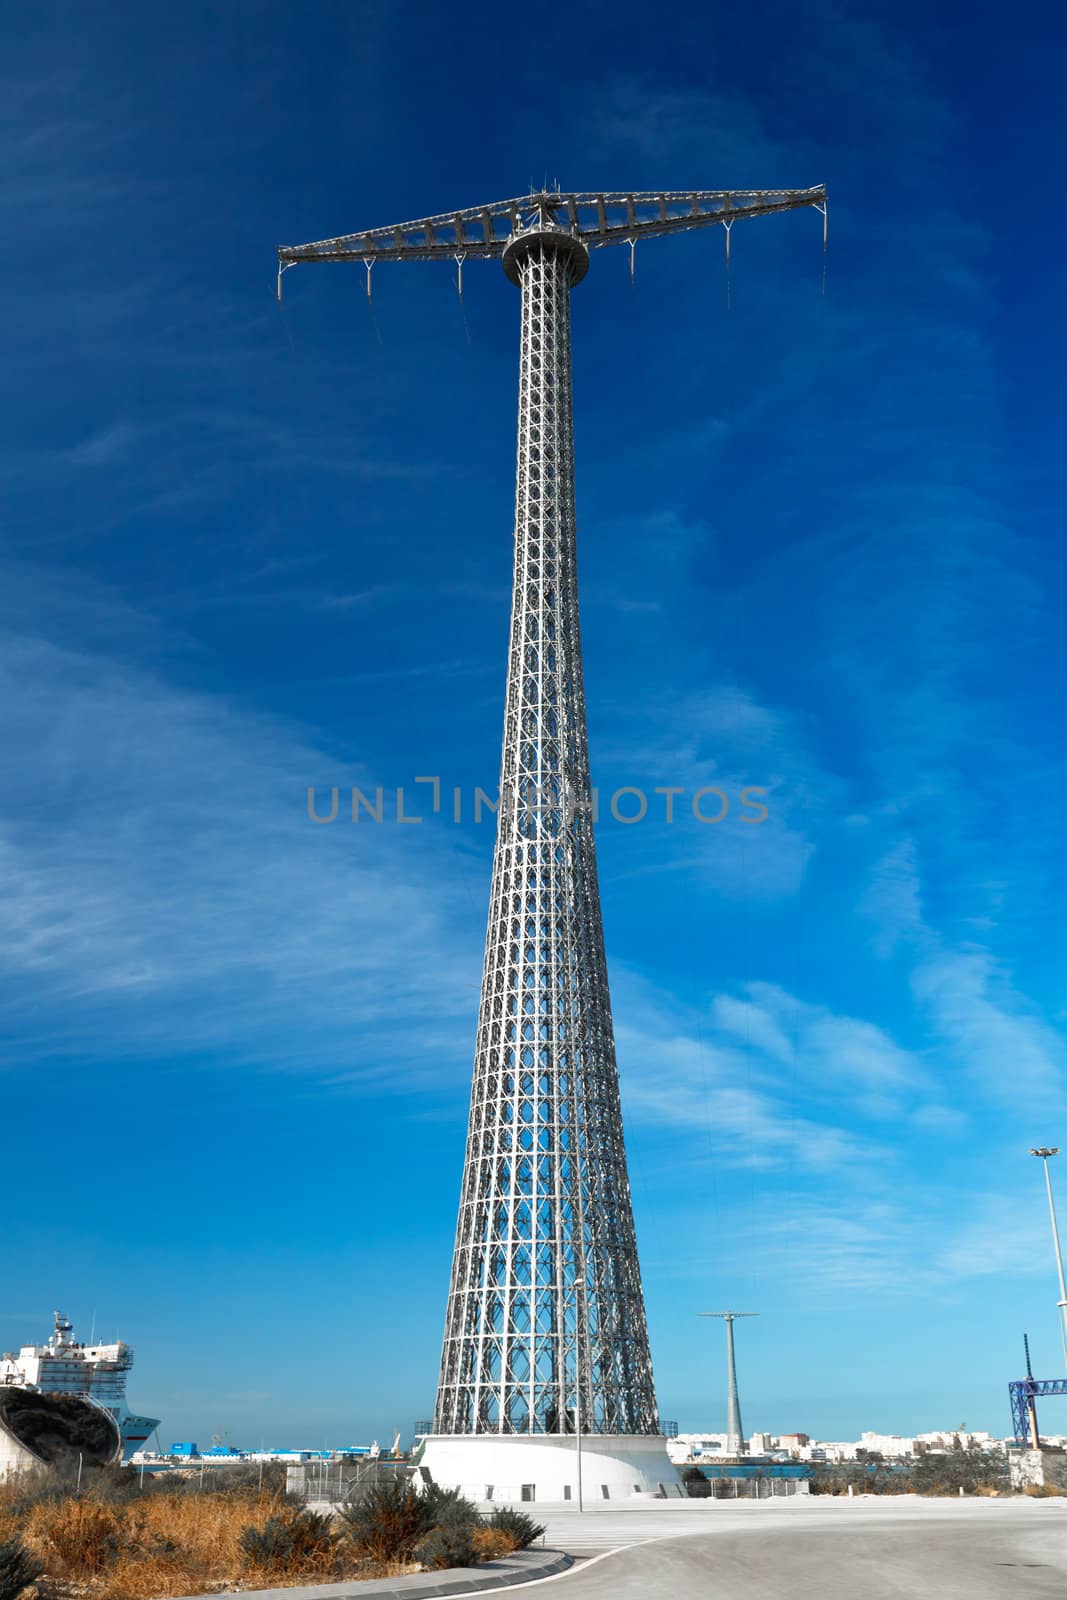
(749, 1488)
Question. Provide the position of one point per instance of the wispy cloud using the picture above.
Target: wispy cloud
(102, 449)
(346, 602)
(890, 1247)
(1002, 1044)
(720, 737)
(760, 1077)
(865, 1245)
(892, 899)
(161, 888)
(1000, 1236)
(1009, 1051)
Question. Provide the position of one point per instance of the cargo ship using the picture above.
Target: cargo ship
(97, 1371)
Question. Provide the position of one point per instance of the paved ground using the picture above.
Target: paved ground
(866, 1549)
(871, 1548)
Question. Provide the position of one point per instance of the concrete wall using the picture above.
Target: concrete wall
(15, 1457)
(503, 1469)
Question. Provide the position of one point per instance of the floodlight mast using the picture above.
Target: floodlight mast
(735, 1433)
(545, 1333)
(1043, 1153)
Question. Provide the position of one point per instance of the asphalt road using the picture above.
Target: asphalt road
(1018, 1556)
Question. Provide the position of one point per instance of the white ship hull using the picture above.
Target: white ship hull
(136, 1432)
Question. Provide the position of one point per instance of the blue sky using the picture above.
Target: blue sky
(245, 550)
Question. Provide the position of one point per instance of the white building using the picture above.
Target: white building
(702, 1448)
(959, 1439)
(893, 1446)
(697, 1447)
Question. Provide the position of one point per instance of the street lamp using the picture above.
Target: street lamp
(1043, 1154)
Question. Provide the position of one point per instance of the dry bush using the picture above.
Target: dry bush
(387, 1523)
(160, 1544)
(109, 1544)
(449, 1545)
(18, 1569)
(521, 1529)
(294, 1541)
(491, 1544)
(78, 1538)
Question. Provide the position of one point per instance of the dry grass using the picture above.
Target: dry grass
(171, 1541)
(492, 1543)
(158, 1545)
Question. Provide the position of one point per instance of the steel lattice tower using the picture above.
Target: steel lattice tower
(545, 1314)
(545, 1331)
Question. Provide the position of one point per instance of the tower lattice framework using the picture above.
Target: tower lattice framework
(546, 1318)
(545, 1330)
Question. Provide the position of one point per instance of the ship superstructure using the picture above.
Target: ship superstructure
(97, 1371)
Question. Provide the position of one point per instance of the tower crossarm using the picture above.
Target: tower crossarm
(596, 218)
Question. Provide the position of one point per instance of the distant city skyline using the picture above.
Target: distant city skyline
(247, 550)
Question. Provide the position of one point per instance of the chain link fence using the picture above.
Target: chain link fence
(341, 1482)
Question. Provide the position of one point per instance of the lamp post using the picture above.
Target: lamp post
(1043, 1153)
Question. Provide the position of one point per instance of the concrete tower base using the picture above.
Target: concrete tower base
(507, 1469)
(1038, 1469)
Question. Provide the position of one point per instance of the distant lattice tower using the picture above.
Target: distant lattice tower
(546, 1360)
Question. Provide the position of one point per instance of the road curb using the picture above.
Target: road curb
(525, 1566)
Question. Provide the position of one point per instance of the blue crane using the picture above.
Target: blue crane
(1024, 1393)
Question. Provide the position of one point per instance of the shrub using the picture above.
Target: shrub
(388, 1522)
(443, 1505)
(268, 1546)
(450, 1545)
(970, 1470)
(490, 1544)
(291, 1539)
(520, 1528)
(18, 1569)
(393, 1524)
(246, 1478)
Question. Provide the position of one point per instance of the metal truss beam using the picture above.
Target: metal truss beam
(597, 219)
(1023, 1392)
